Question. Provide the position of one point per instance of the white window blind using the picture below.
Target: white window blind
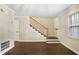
(74, 25)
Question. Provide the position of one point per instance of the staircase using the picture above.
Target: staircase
(38, 27)
(42, 30)
(36, 31)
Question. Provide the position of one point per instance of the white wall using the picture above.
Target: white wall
(63, 33)
(26, 32)
(3, 27)
(6, 26)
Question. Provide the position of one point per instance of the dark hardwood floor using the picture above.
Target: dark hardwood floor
(39, 48)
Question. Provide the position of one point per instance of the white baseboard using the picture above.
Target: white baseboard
(70, 48)
(52, 42)
(6, 50)
(35, 41)
(31, 40)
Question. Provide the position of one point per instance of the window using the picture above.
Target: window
(74, 25)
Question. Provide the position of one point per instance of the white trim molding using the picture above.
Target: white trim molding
(52, 42)
(31, 40)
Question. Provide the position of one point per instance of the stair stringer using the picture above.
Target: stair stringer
(33, 36)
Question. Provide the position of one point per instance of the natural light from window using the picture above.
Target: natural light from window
(74, 25)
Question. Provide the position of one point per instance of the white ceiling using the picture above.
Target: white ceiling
(38, 9)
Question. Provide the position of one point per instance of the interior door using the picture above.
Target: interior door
(16, 28)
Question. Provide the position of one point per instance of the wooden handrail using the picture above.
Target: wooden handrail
(39, 23)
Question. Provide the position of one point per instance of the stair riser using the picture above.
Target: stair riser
(38, 31)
